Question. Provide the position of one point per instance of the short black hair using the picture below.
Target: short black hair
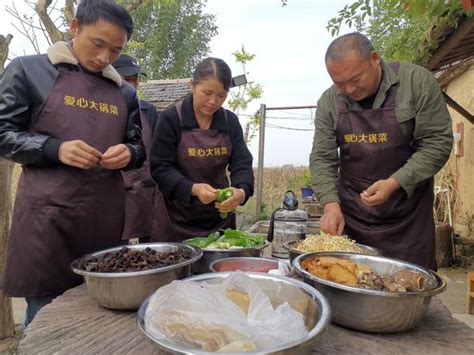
(91, 11)
(343, 45)
(215, 68)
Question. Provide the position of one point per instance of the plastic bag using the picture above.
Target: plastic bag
(201, 315)
(284, 268)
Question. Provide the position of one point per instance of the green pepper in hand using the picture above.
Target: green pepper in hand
(222, 195)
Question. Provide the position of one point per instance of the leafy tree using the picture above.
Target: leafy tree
(399, 29)
(241, 96)
(171, 37)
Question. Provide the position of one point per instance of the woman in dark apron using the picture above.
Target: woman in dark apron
(198, 148)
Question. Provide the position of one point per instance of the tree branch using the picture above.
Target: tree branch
(55, 34)
(4, 43)
(134, 5)
(14, 13)
(26, 26)
(69, 11)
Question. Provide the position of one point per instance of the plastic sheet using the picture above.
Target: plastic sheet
(201, 315)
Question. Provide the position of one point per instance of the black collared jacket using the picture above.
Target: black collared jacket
(24, 86)
(166, 139)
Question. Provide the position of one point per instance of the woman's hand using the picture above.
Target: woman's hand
(204, 192)
(232, 202)
(116, 157)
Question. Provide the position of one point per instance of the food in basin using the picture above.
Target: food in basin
(246, 264)
(371, 293)
(230, 239)
(323, 242)
(128, 259)
(234, 312)
(123, 277)
(361, 275)
(232, 243)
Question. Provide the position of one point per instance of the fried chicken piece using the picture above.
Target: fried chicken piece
(341, 274)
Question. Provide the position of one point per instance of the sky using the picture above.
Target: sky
(289, 44)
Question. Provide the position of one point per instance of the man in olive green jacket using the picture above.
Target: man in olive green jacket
(382, 131)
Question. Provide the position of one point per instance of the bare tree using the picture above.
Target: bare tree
(51, 21)
(6, 168)
(4, 45)
(6, 317)
(55, 34)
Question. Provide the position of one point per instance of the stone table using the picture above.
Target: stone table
(74, 324)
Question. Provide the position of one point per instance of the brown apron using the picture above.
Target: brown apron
(373, 147)
(139, 192)
(62, 212)
(202, 157)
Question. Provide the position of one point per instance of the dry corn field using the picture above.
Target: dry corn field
(276, 181)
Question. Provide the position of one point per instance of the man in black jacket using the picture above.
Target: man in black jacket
(140, 188)
(72, 123)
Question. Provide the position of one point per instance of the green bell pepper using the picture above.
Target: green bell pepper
(203, 242)
(222, 195)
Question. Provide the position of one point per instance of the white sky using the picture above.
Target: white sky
(289, 43)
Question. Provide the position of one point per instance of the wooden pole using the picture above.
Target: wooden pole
(7, 327)
(261, 148)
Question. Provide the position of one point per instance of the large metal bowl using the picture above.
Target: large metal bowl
(293, 252)
(128, 290)
(250, 264)
(370, 310)
(211, 255)
(303, 298)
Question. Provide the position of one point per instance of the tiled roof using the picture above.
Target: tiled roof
(454, 45)
(165, 93)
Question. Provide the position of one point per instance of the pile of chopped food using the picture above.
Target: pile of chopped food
(359, 275)
(127, 259)
(323, 242)
(231, 239)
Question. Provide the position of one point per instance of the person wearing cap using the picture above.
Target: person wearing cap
(73, 123)
(200, 148)
(139, 185)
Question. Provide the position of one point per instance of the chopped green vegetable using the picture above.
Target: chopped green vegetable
(203, 242)
(230, 239)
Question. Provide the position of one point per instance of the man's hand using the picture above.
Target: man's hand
(232, 202)
(332, 221)
(116, 157)
(79, 154)
(204, 192)
(379, 192)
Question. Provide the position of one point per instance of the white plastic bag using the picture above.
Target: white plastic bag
(284, 268)
(200, 315)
